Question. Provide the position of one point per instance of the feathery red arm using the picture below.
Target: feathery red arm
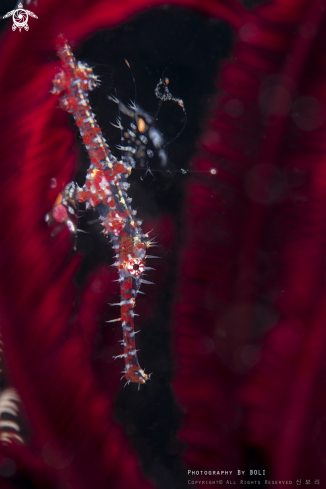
(264, 259)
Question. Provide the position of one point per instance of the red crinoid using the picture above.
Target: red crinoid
(262, 263)
(254, 246)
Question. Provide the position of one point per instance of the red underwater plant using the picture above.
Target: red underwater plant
(254, 251)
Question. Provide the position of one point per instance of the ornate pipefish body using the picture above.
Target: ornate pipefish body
(105, 190)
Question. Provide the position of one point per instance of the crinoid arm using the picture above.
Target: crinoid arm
(9, 428)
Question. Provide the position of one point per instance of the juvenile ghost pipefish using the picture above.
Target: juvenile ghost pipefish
(105, 190)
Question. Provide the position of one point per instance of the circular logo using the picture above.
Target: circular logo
(20, 19)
